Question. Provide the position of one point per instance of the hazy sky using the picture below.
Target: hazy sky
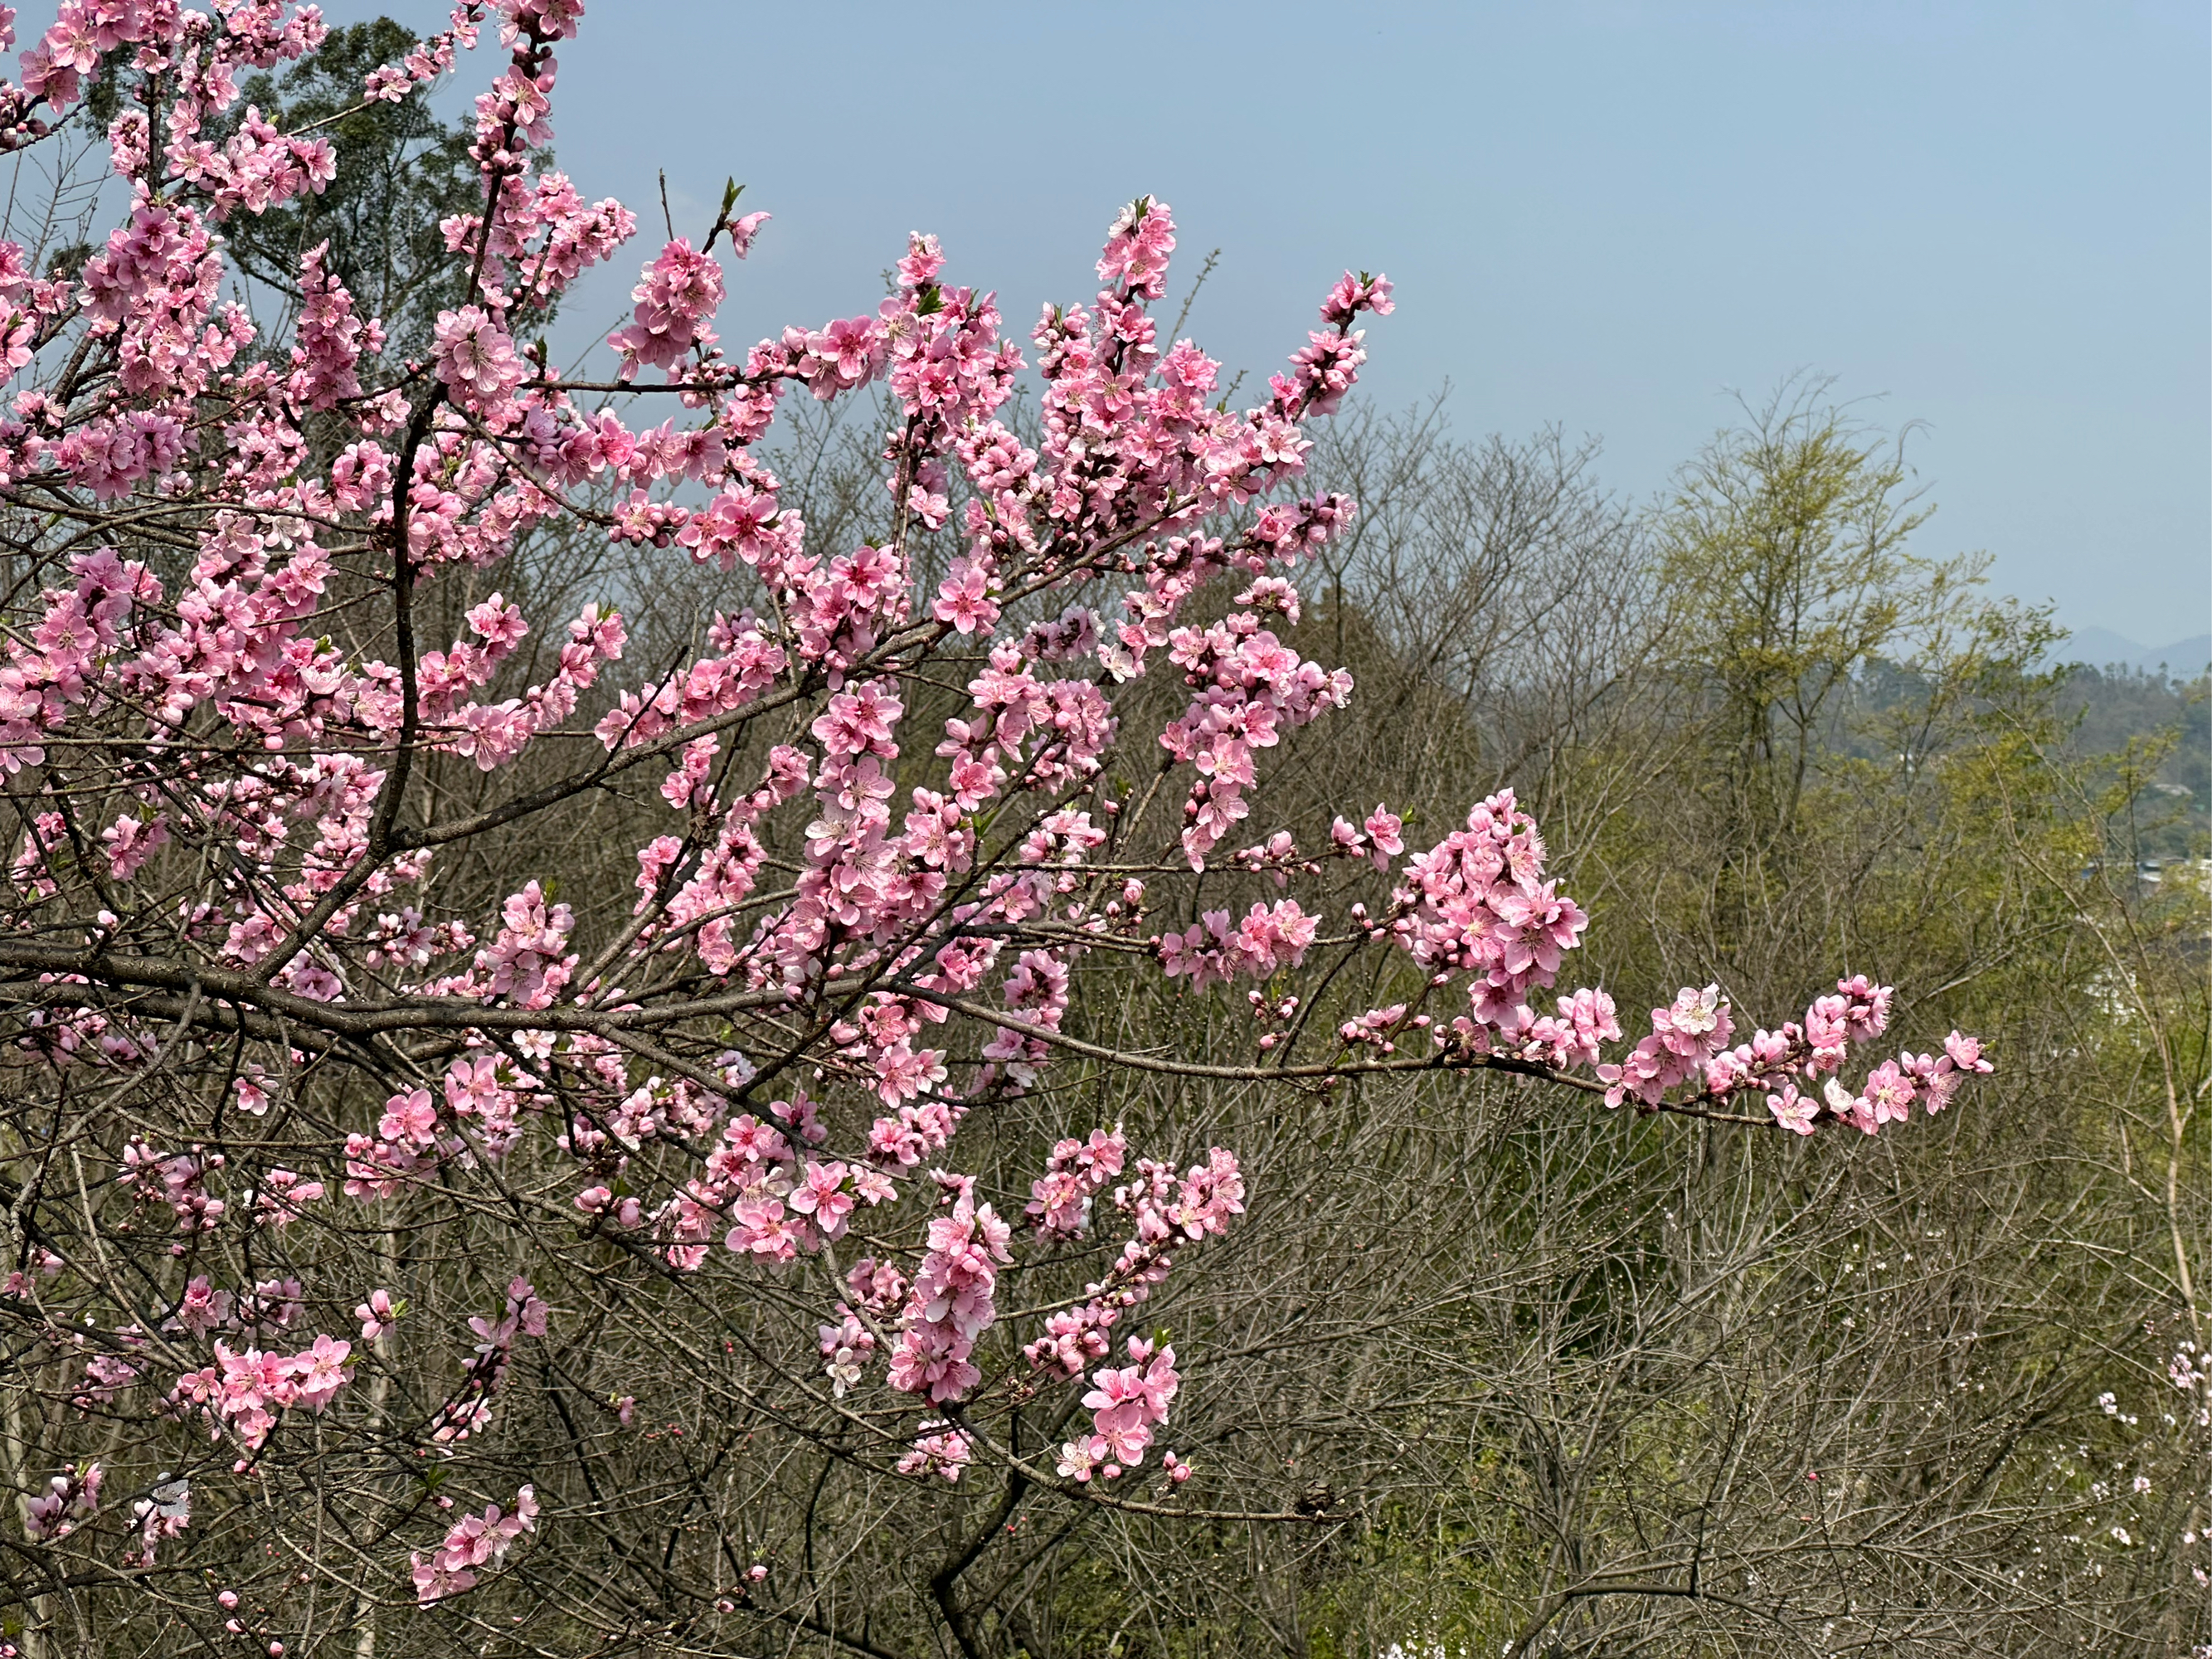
(1994, 219)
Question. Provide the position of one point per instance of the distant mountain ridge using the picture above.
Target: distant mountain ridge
(2101, 647)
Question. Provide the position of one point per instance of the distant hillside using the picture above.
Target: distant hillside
(2115, 705)
(2101, 647)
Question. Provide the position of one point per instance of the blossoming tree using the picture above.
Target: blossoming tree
(309, 1156)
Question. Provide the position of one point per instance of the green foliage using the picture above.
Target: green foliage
(2153, 735)
(1784, 575)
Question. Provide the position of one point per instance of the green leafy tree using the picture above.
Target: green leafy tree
(1784, 573)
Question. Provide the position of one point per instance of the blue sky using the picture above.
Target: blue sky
(1994, 219)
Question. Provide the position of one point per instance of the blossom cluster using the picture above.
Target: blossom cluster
(1126, 1403)
(70, 1499)
(1078, 1170)
(472, 1543)
(950, 1302)
(468, 1409)
(1251, 689)
(163, 1513)
(1168, 1212)
(1690, 1040)
(1477, 911)
(1476, 905)
(244, 1391)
